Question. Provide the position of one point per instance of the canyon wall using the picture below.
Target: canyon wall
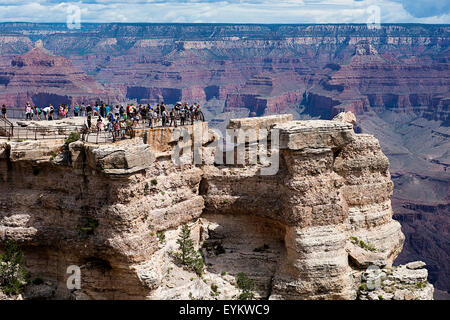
(406, 65)
(318, 225)
(41, 78)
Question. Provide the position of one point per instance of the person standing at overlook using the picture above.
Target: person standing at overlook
(182, 116)
(28, 111)
(89, 110)
(76, 110)
(103, 110)
(191, 113)
(197, 111)
(37, 112)
(111, 117)
(89, 121)
(46, 111)
(96, 110)
(143, 112)
(4, 111)
(40, 112)
(107, 110)
(51, 112)
(128, 111)
(173, 118)
(99, 124)
(164, 117)
(151, 117)
(61, 112)
(121, 111)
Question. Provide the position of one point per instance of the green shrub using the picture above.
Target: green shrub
(154, 182)
(198, 264)
(246, 285)
(420, 285)
(73, 136)
(362, 244)
(214, 290)
(13, 276)
(161, 237)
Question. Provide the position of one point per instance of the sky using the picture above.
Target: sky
(228, 11)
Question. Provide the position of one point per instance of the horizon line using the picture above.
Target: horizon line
(232, 23)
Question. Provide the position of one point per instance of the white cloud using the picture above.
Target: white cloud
(222, 11)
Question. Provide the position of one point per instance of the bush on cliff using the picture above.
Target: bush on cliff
(187, 255)
(13, 276)
(246, 285)
(73, 136)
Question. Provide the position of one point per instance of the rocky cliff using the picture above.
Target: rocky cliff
(318, 227)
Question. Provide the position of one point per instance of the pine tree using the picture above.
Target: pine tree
(186, 246)
(12, 274)
(187, 254)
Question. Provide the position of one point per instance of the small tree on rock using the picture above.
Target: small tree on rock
(187, 255)
(12, 274)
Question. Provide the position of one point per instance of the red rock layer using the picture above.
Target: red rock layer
(42, 78)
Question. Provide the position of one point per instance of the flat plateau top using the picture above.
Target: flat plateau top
(307, 125)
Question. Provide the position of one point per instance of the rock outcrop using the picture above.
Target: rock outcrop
(312, 228)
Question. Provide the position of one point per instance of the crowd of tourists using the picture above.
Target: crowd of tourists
(113, 117)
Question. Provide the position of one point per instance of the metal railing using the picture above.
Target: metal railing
(108, 135)
(15, 114)
(6, 128)
(18, 114)
(42, 133)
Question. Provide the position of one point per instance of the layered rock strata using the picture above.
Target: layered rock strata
(42, 78)
(308, 229)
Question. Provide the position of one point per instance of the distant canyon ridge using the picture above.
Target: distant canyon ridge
(395, 79)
